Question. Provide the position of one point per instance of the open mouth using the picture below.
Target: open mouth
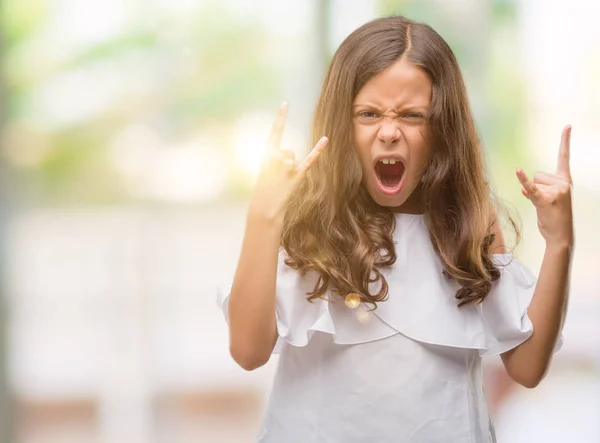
(390, 174)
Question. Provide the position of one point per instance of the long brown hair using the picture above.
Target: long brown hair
(334, 228)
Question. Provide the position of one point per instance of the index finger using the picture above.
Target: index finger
(314, 154)
(278, 125)
(564, 153)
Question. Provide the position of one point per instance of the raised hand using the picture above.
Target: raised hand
(280, 173)
(551, 196)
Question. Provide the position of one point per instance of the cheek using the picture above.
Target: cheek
(420, 147)
(420, 155)
(362, 144)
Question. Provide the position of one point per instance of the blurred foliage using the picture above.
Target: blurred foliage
(183, 74)
(196, 69)
(19, 19)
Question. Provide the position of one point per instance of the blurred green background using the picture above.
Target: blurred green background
(93, 92)
(131, 133)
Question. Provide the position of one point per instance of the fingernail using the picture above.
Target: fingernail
(323, 139)
(284, 105)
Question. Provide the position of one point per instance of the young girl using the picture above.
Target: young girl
(376, 266)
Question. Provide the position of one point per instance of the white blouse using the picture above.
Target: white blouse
(409, 371)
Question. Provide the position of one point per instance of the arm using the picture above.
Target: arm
(252, 318)
(528, 363)
(252, 323)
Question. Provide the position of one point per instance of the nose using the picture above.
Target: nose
(389, 133)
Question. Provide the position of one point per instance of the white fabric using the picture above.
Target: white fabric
(408, 371)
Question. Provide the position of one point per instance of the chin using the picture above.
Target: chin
(388, 201)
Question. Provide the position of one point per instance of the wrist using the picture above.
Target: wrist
(272, 220)
(560, 247)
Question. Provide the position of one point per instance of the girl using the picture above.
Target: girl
(376, 266)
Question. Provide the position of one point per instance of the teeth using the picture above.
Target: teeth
(388, 161)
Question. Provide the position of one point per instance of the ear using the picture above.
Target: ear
(498, 246)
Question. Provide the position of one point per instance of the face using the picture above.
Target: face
(389, 120)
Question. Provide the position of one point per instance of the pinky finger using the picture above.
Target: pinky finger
(289, 164)
(529, 186)
(314, 154)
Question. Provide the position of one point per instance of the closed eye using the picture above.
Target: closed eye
(374, 116)
(367, 114)
(414, 115)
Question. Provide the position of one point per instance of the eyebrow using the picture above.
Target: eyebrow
(406, 108)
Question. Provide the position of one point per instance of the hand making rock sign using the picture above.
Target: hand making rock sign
(551, 196)
(280, 172)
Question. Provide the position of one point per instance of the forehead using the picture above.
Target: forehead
(402, 83)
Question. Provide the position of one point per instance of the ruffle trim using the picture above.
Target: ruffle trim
(421, 306)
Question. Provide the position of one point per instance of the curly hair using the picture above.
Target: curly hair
(332, 225)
